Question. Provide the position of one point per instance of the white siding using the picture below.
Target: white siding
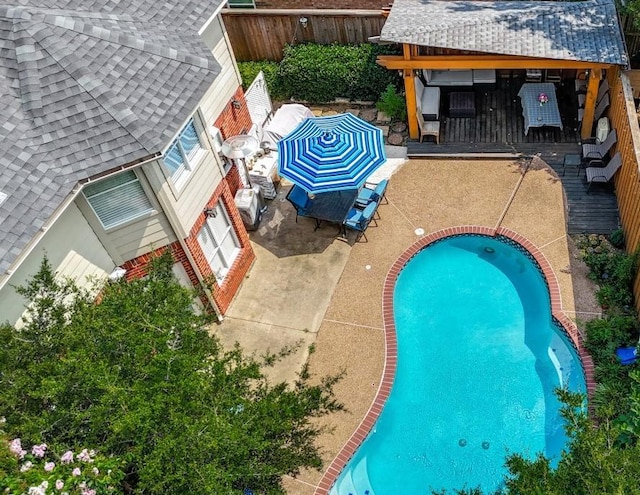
(186, 205)
(136, 237)
(228, 81)
(73, 251)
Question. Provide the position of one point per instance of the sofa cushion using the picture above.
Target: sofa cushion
(484, 76)
(430, 103)
(448, 77)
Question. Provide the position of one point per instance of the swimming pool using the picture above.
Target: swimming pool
(478, 359)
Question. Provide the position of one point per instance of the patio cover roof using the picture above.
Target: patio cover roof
(586, 31)
(85, 88)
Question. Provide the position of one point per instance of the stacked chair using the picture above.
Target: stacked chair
(365, 208)
(602, 91)
(594, 153)
(603, 174)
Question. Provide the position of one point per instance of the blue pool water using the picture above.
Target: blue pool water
(478, 361)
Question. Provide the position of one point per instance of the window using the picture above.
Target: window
(219, 242)
(118, 199)
(183, 154)
(241, 4)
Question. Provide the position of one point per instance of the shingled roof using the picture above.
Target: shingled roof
(84, 91)
(584, 31)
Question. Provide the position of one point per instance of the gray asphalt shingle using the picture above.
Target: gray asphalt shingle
(584, 30)
(86, 87)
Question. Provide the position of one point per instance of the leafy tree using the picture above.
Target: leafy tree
(138, 376)
(595, 462)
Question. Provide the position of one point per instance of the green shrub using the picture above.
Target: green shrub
(614, 270)
(250, 70)
(393, 104)
(322, 73)
(616, 238)
(604, 335)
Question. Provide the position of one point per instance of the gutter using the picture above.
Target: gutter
(61, 209)
(215, 13)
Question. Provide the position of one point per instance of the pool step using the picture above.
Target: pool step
(354, 481)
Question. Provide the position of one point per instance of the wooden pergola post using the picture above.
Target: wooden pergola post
(408, 51)
(595, 74)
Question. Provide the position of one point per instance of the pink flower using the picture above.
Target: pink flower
(76, 472)
(59, 484)
(49, 466)
(26, 466)
(95, 471)
(39, 450)
(85, 456)
(88, 491)
(67, 457)
(16, 448)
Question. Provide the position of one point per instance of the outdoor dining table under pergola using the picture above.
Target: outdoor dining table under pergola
(539, 105)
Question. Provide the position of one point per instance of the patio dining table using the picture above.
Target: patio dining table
(331, 206)
(536, 113)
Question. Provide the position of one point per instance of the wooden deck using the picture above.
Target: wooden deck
(497, 131)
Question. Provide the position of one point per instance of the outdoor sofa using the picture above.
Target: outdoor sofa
(462, 77)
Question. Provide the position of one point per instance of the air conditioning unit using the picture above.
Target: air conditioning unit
(216, 138)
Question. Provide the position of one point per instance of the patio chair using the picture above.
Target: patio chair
(603, 174)
(428, 128)
(368, 194)
(600, 108)
(359, 220)
(602, 90)
(299, 198)
(592, 152)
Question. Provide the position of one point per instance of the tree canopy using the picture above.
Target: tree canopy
(138, 376)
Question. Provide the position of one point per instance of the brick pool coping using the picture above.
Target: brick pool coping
(391, 344)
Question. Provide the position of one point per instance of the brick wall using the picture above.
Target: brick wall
(233, 180)
(139, 267)
(233, 121)
(223, 294)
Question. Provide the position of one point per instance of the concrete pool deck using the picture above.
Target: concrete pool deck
(424, 194)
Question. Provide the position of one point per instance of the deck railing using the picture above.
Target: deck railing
(622, 114)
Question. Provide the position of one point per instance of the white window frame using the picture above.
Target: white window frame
(219, 237)
(247, 4)
(181, 175)
(133, 215)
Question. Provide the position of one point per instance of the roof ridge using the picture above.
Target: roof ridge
(128, 40)
(106, 99)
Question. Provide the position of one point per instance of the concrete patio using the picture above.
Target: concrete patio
(310, 287)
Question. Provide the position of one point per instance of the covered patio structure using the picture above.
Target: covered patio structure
(504, 41)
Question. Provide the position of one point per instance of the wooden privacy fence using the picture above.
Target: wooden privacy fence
(622, 114)
(261, 34)
(631, 34)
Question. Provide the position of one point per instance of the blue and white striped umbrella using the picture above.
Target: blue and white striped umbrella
(331, 153)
